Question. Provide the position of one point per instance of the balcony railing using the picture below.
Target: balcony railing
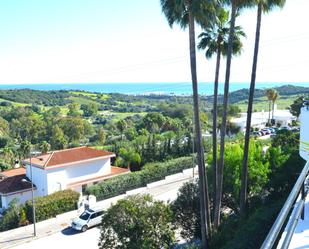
(296, 203)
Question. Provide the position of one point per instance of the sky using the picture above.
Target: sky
(78, 41)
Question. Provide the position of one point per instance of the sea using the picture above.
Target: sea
(143, 88)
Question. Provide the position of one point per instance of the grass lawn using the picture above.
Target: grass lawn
(262, 103)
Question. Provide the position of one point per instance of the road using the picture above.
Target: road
(69, 238)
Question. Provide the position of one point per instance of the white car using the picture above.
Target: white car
(89, 218)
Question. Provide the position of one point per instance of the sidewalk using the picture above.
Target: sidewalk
(164, 190)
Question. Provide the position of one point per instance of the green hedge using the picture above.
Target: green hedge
(150, 173)
(51, 205)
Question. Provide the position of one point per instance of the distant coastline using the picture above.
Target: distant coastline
(143, 88)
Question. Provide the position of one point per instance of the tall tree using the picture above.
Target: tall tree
(215, 40)
(263, 6)
(235, 6)
(273, 100)
(184, 13)
(269, 94)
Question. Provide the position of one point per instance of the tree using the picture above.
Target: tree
(57, 140)
(45, 147)
(89, 109)
(185, 13)
(8, 155)
(101, 137)
(73, 110)
(137, 222)
(296, 106)
(270, 95)
(24, 149)
(130, 157)
(262, 6)
(274, 98)
(121, 126)
(10, 218)
(186, 209)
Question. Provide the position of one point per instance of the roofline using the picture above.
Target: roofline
(17, 192)
(68, 164)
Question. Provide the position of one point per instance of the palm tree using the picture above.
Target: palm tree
(184, 13)
(273, 100)
(215, 41)
(263, 6)
(235, 6)
(269, 93)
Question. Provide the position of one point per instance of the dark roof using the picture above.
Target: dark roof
(68, 156)
(14, 184)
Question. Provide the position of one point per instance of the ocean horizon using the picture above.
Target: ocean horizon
(205, 88)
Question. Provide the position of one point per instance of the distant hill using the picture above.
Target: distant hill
(242, 94)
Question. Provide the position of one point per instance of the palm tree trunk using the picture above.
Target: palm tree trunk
(203, 186)
(269, 109)
(244, 172)
(224, 118)
(273, 109)
(215, 123)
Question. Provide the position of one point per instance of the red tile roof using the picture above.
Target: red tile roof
(69, 156)
(13, 172)
(14, 184)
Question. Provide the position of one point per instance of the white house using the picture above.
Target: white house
(304, 133)
(58, 170)
(260, 119)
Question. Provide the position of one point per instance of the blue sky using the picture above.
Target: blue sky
(63, 41)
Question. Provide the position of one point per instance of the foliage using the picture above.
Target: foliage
(137, 222)
(258, 172)
(297, 104)
(89, 109)
(47, 98)
(186, 209)
(151, 172)
(234, 232)
(51, 205)
(10, 218)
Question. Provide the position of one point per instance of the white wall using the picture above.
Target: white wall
(39, 179)
(59, 178)
(21, 197)
(304, 134)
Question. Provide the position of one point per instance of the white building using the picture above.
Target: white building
(260, 119)
(304, 133)
(58, 170)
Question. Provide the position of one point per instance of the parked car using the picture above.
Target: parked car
(266, 131)
(89, 218)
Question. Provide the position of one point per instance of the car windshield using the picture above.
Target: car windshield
(84, 216)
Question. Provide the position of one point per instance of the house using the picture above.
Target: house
(304, 134)
(14, 184)
(260, 119)
(74, 169)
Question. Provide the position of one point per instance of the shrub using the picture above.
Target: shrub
(51, 205)
(10, 218)
(150, 173)
(137, 222)
(186, 209)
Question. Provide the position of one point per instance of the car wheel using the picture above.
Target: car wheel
(84, 229)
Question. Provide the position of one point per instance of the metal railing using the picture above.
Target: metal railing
(299, 189)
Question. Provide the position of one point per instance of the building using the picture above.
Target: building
(73, 169)
(260, 119)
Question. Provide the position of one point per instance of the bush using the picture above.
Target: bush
(186, 209)
(137, 222)
(51, 205)
(150, 173)
(10, 218)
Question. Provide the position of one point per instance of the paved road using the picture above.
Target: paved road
(68, 238)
